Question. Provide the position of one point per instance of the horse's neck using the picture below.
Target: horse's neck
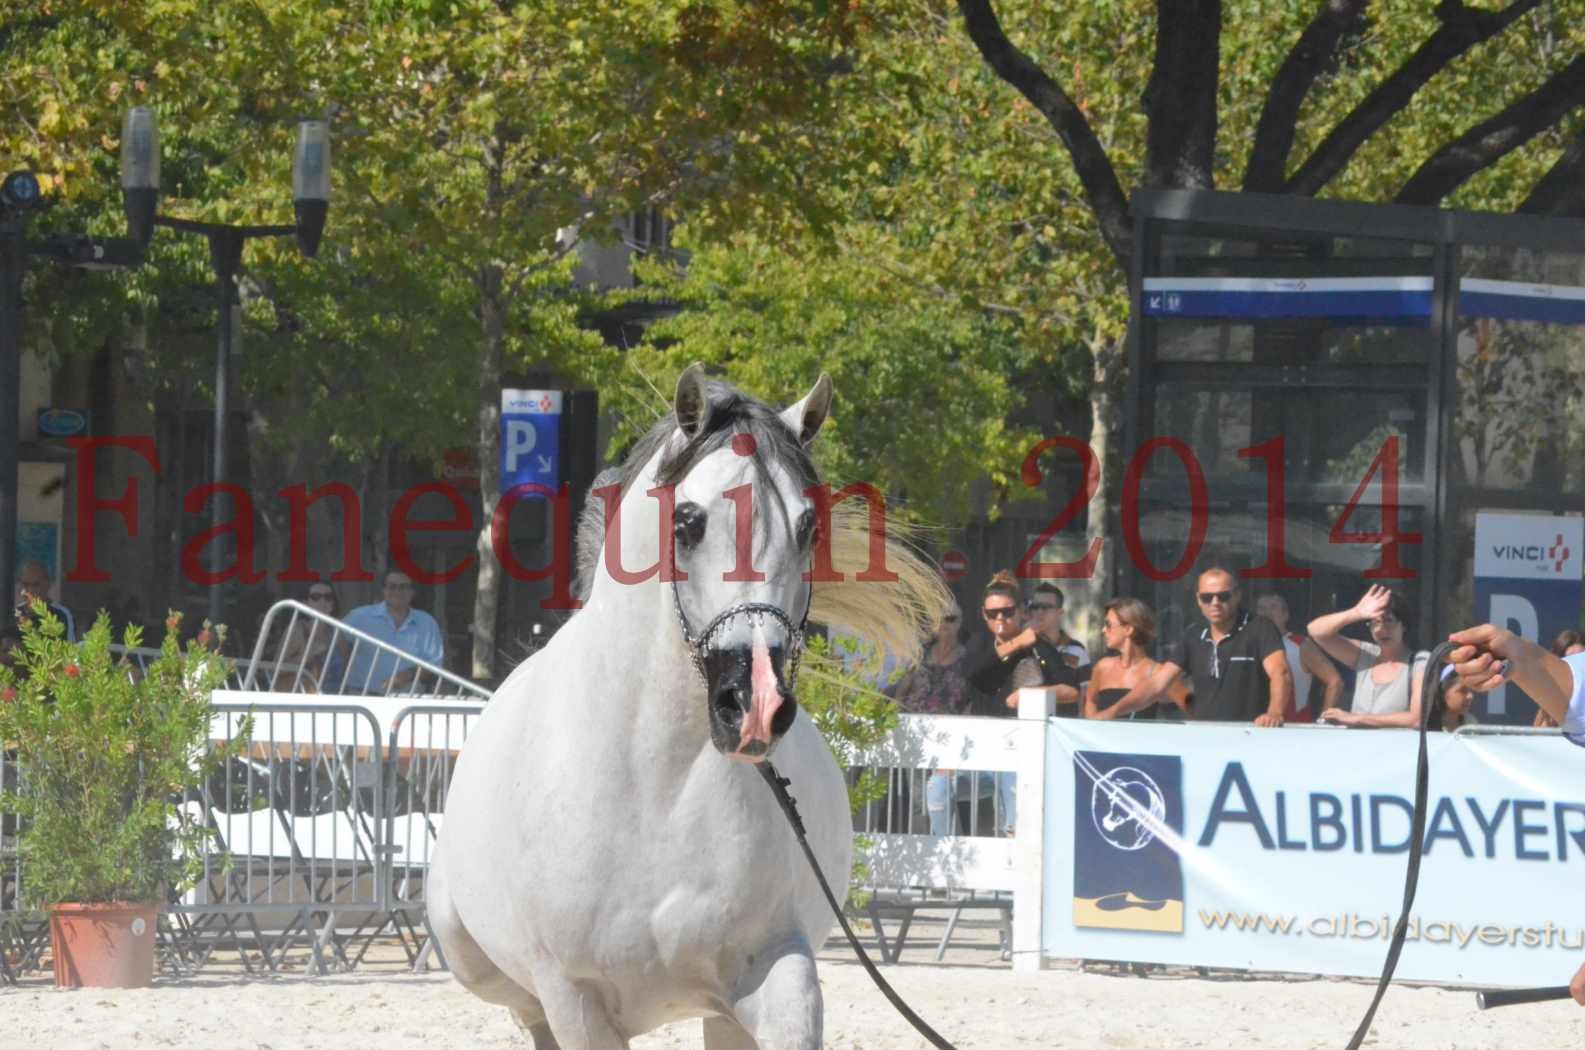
(650, 677)
(647, 673)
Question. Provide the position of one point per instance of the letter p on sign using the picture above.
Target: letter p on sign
(520, 439)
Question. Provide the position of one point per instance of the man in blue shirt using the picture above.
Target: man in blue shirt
(395, 622)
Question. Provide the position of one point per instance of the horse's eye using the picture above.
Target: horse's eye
(689, 524)
(805, 532)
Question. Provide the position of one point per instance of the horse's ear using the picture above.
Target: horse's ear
(807, 417)
(692, 404)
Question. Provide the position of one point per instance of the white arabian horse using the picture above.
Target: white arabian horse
(605, 866)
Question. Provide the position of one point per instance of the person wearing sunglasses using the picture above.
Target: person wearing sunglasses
(999, 665)
(935, 685)
(1064, 663)
(307, 647)
(1387, 669)
(1236, 662)
(1001, 661)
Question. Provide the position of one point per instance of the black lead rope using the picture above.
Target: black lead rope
(1422, 777)
(778, 785)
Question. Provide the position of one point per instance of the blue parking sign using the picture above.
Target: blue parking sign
(530, 438)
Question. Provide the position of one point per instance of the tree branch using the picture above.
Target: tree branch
(1561, 191)
(1491, 140)
(1461, 29)
(1180, 100)
(1101, 189)
(1316, 51)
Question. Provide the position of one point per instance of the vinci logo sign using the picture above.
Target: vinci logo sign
(1527, 579)
(1535, 559)
(1127, 824)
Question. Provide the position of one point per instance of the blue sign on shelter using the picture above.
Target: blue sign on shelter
(530, 438)
(1527, 579)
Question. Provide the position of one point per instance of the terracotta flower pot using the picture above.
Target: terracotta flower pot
(103, 945)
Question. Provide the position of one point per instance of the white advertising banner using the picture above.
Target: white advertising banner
(1284, 850)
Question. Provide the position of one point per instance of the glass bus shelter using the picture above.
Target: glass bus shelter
(1324, 394)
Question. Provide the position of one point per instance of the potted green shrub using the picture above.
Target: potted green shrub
(107, 752)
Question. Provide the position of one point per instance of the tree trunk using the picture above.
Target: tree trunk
(376, 527)
(486, 596)
(1084, 622)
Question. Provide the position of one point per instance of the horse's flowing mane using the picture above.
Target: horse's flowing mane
(892, 615)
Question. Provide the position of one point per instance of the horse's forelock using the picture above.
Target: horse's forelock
(732, 413)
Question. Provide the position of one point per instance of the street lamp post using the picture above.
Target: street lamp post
(140, 187)
(20, 197)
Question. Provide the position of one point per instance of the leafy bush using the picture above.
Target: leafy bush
(106, 753)
(851, 714)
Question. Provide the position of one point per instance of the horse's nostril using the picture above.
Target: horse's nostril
(726, 701)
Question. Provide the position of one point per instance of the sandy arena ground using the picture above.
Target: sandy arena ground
(972, 999)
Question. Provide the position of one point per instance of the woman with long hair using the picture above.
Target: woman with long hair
(308, 645)
(936, 686)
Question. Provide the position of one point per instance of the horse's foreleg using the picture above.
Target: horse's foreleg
(777, 1003)
(576, 1015)
(534, 1024)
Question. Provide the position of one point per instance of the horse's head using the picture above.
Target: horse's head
(744, 527)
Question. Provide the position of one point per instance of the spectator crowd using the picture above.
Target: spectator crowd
(1237, 662)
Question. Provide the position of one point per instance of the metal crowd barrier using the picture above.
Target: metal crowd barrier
(23, 934)
(1502, 730)
(322, 831)
(422, 748)
(301, 650)
(297, 854)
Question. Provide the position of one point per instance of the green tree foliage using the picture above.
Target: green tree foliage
(922, 394)
(476, 145)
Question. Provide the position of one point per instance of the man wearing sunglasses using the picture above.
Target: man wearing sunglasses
(1064, 663)
(1236, 661)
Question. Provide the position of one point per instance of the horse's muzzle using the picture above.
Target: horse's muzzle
(750, 706)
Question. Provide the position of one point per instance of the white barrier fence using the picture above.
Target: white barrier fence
(1206, 845)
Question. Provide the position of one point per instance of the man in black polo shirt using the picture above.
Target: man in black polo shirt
(1236, 661)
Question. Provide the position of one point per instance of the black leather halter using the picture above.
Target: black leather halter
(699, 645)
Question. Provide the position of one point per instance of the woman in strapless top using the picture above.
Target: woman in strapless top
(1128, 629)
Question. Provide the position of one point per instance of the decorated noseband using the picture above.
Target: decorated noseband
(756, 612)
